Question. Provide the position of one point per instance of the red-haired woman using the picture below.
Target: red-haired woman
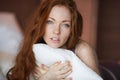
(58, 24)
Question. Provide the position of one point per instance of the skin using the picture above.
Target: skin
(58, 28)
(87, 54)
(57, 32)
(36, 32)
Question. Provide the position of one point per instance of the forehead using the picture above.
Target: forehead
(60, 12)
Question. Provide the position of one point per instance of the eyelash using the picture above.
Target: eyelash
(66, 25)
(49, 22)
(63, 24)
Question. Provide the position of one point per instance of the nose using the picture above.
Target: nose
(57, 29)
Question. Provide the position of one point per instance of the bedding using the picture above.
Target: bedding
(47, 55)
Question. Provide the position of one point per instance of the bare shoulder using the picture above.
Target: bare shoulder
(83, 46)
(87, 54)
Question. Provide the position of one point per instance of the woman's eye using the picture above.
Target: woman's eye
(65, 25)
(49, 22)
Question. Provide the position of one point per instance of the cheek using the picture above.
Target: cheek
(66, 35)
(47, 31)
(46, 34)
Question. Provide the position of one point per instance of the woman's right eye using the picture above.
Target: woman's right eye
(49, 22)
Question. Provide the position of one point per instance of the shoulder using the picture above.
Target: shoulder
(84, 47)
(87, 54)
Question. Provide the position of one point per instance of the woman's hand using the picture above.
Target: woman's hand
(39, 71)
(57, 71)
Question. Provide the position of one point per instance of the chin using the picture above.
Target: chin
(54, 46)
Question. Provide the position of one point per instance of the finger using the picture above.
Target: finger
(56, 63)
(36, 76)
(64, 71)
(64, 66)
(44, 67)
(69, 78)
(65, 75)
(67, 61)
(36, 71)
(41, 69)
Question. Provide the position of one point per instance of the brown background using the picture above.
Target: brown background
(101, 22)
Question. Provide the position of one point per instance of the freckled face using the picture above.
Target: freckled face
(58, 27)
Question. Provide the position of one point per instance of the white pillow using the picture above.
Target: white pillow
(47, 55)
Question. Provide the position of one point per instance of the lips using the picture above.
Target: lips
(55, 39)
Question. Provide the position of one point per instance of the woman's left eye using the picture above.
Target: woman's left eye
(65, 25)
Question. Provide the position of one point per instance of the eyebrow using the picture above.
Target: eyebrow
(62, 21)
(52, 18)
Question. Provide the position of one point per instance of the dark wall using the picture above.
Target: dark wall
(108, 38)
(21, 8)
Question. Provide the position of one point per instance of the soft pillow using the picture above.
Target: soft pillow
(47, 55)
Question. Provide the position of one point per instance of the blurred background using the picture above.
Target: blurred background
(101, 22)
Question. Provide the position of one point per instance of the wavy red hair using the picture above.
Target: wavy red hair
(25, 60)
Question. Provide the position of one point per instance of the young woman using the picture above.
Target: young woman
(58, 24)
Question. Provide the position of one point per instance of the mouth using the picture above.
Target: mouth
(55, 39)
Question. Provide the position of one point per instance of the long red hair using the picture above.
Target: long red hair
(25, 60)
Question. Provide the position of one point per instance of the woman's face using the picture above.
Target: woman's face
(58, 27)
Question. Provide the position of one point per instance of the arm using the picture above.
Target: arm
(57, 71)
(87, 54)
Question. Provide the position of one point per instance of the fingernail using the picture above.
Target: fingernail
(58, 62)
(68, 62)
(70, 78)
(42, 65)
